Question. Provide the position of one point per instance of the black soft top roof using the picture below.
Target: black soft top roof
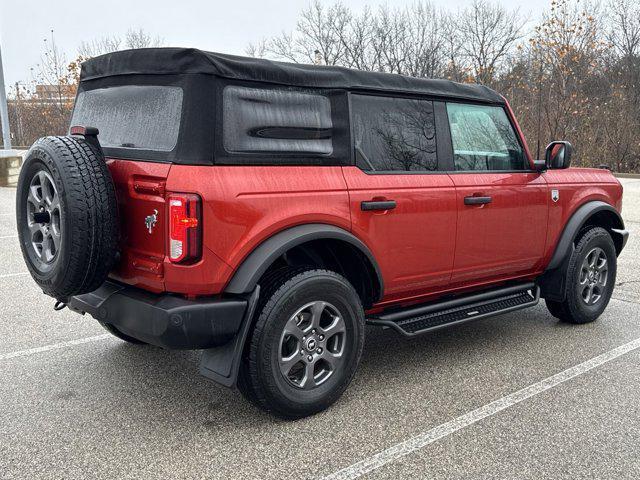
(157, 61)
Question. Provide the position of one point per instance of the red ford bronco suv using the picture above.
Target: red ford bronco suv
(264, 212)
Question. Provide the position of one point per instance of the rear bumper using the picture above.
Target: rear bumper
(164, 320)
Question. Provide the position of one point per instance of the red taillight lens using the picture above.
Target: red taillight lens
(185, 226)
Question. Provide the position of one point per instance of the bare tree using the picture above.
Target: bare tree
(624, 37)
(132, 39)
(257, 49)
(624, 34)
(407, 41)
(141, 39)
(427, 47)
(318, 29)
(357, 41)
(56, 81)
(487, 33)
(454, 68)
(99, 46)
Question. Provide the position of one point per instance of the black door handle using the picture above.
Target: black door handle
(476, 200)
(378, 205)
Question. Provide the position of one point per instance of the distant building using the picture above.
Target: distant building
(54, 92)
(43, 110)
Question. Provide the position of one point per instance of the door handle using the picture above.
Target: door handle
(476, 200)
(378, 205)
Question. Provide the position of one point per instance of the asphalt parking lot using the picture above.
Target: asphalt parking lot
(76, 403)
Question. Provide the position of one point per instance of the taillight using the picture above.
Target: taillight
(185, 226)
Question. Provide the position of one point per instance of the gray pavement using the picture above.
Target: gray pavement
(106, 409)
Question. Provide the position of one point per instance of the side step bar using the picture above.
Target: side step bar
(434, 316)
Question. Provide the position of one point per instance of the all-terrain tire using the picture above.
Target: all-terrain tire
(68, 178)
(574, 308)
(261, 380)
(269, 284)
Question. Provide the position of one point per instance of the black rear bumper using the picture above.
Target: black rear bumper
(161, 319)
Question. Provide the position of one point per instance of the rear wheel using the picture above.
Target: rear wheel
(306, 344)
(590, 279)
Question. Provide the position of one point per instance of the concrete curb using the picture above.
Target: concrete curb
(9, 170)
(627, 175)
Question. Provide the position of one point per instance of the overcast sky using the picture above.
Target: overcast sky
(222, 26)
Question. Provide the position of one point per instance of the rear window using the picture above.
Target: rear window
(276, 121)
(143, 117)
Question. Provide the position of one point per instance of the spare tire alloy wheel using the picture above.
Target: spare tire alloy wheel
(312, 345)
(67, 216)
(44, 219)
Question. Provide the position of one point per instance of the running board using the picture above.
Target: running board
(434, 316)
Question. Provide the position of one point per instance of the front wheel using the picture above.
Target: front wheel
(591, 276)
(306, 344)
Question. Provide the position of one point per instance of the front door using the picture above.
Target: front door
(502, 204)
(402, 206)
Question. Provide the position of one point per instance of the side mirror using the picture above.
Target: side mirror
(539, 165)
(558, 155)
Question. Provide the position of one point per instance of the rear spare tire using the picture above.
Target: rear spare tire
(66, 215)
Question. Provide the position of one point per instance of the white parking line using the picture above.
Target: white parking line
(54, 346)
(7, 275)
(8, 236)
(420, 441)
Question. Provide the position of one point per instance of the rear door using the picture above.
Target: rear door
(402, 205)
(502, 204)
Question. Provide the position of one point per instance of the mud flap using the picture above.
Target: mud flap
(221, 364)
(552, 282)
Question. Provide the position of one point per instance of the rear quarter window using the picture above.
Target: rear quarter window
(276, 121)
(141, 117)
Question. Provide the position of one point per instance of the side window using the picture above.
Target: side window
(278, 121)
(393, 134)
(483, 139)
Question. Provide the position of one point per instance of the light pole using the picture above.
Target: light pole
(4, 112)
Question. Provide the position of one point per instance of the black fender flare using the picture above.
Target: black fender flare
(247, 275)
(552, 282)
(221, 364)
(564, 248)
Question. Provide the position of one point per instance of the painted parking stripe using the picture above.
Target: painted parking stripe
(8, 236)
(54, 346)
(422, 440)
